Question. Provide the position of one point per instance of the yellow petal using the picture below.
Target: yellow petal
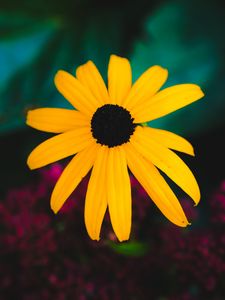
(96, 197)
(59, 147)
(156, 187)
(169, 140)
(119, 193)
(90, 77)
(77, 94)
(145, 87)
(74, 172)
(167, 101)
(119, 79)
(56, 120)
(167, 161)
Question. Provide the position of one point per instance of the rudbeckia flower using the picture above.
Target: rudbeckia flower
(106, 135)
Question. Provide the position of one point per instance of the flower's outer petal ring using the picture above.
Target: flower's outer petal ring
(90, 77)
(156, 187)
(74, 172)
(56, 120)
(119, 79)
(77, 94)
(96, 197)
(169, 140)
(145, 87)
(59, 147)
(167, 101)
(167, 161)
(119, 193)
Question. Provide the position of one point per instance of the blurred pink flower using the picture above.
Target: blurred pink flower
(43, 256)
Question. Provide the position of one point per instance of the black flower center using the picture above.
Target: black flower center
(112, 125)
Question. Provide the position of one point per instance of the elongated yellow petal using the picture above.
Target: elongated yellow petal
(96, 197)
(156, 187)
(119, 193)
(145, 87)
(169, 140)
(74, 172)
(119, 79)
(90, 77)
(167, 101)
(76, 93)
(59, 147)
(56, 120)
(167, 161)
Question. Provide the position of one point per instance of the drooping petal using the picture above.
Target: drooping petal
(74, 172)
(119, 193)
(167, 101)
(59, 147)
(169, 140)
(167, 161)
(90, 77)
(156, 187)
(56, 120)
(145, 87)
(119, 79)
(76, 93)
(96, 197)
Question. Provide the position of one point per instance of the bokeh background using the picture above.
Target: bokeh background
(43, 256)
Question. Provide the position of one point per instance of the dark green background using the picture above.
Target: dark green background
(39, 37)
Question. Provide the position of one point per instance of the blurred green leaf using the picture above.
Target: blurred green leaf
(18, 51)
(37, 38)
(187, 37)
(129, 248)
(31, 54)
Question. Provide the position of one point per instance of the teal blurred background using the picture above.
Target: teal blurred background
(40, 37)
(37, 38)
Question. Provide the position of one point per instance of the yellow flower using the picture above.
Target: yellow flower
(106, 134)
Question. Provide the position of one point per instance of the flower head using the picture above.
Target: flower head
(106, 135)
